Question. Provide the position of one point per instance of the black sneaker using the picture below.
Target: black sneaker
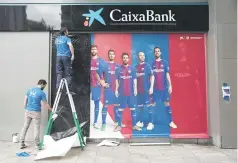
(23, 145)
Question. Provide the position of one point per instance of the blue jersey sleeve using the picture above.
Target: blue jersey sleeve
(133, 72)
(68, 40)
(43, 97)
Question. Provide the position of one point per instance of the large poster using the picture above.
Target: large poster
(148, 85)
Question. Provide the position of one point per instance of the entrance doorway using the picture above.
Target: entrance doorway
(80, 82)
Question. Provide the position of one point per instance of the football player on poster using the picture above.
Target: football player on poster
(126, 90)
(162, 86)
(96, 70)
(109, 91)
(145, 84)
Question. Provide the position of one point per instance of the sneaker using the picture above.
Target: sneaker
(118, 128)
(140, 124)
(103, 127)
(23, 145)
(173, 125)
(95, 126)
(137, 128)
(150, 126)
(122, 125)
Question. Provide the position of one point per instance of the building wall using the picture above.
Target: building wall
(24, 60)
(222, 68)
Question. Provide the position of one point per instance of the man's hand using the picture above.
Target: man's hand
(116, 93)
(72, 59)
(135, 91)
(105, 85)
(150, 91)
(170, 89)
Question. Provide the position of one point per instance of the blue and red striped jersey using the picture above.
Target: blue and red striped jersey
(143, 73)
(97, 66)
(126, 76)
(160, 68)
(110, 74)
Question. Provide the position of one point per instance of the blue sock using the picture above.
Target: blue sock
(133, 117)
(140, 114)
(151, 113)
(96, 111)
(169, 113)
(119, 116)
(104, 115)
(115, 109)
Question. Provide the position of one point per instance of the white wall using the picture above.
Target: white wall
(24, 60)
(222, 68)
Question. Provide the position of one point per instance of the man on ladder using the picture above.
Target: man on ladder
(64, 58)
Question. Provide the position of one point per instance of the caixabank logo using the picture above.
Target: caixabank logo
(92, 16)
(126, 16)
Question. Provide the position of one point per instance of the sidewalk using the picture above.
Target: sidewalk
(124, 153)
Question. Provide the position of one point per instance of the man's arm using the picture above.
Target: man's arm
(101, 81)
(152, 78)
(117, 86)
(45, 105)
(169, 80)
(25, 101)
(71, 48)
(135, 84)
(134, 80)
(152, 81)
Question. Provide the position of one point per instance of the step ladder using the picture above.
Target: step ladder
(53, 114)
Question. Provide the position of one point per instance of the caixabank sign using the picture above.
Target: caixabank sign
(105, 18)
(144, 18)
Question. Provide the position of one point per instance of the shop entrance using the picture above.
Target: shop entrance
(80, 80)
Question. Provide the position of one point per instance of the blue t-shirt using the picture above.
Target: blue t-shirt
(34, 97)
(62, 47)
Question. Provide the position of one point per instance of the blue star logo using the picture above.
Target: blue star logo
(92, 15)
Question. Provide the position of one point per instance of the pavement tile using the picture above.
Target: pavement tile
(124, 153)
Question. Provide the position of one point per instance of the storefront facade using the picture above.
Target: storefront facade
(188, 35)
